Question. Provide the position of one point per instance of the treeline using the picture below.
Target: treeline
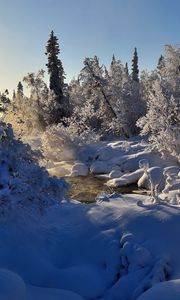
(103, 102)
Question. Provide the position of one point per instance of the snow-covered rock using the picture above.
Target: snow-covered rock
(79, 169)
(126, 179)
(115, 173)
(155, 176)
(171, 170)
(100, 167)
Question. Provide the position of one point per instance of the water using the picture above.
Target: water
(85, 189)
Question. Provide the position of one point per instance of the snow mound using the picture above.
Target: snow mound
(163, 290)
(99, 167)
(155, 176)
(11, 286)
(39, 293)
(115, 173)
(126, 179)
(79, 169)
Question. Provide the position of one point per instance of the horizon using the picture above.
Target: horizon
(84, 30)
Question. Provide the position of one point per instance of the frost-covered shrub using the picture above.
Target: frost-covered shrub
(61, 142)
(23, 183)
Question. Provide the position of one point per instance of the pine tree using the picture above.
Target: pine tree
(135, 70)
(20, 89)
(113, 60)
(54, 65)
(160, 64)
(126, 69)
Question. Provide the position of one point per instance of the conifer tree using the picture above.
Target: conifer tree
(59, 98)
(54, 65)
(160, 64)
(20, 89)
(113, 61)
(135, 70)
(126, 69)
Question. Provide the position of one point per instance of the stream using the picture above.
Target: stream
(86, 189)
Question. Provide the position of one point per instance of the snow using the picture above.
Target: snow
(154, 175)
(37, 293)
(100, 250)
(79, 169)
(121, 247)
(99, 167)
(126, 179)
(115, 173)
(11, 286)
(164, 290)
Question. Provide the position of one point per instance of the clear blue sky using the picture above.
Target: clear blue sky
(84, 28)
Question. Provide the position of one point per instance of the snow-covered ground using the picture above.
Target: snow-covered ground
(109, 250)
(123, 247)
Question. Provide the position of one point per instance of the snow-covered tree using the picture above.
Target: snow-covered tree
(126, 69)
(91, 100)
(162, 120)
(20, 89)
(125, 95)
(4, 101)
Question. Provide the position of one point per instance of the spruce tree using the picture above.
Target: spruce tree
(126, 69)
(54, 65)
(20, 89)
(135, 70)
(160, 64)
(113, 61)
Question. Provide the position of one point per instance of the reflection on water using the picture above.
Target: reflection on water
(85, 189)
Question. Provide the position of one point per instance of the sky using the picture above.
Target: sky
(85, 28)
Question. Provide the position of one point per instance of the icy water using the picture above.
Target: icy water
(86, 189)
